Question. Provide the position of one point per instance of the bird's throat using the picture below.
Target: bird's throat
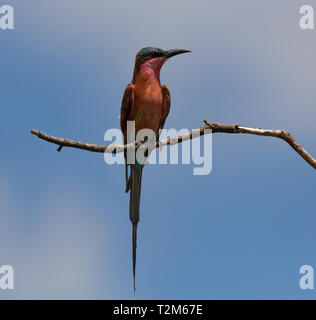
(151, 69)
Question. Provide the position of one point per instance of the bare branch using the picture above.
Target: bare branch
(214, 126)
(62, 142)
(282, 134)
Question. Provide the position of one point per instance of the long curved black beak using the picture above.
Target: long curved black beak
(170, 53)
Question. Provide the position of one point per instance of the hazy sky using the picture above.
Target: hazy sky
(241, 232)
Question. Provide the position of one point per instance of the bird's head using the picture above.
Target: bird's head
(152, 59)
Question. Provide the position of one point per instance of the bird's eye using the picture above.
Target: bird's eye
(156, 54)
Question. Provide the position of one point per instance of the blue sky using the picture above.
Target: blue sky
(241, 232)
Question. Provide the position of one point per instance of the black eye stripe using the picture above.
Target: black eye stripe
(156, 54)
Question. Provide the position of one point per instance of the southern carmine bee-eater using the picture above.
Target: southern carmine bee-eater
(147, 103)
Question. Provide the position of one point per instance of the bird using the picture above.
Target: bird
(146, 102)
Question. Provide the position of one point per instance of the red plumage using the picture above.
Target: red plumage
(147, 103)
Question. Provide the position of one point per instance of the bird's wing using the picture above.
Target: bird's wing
(127, 104)
(165, 105)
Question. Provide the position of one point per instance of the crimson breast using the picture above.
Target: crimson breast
(147, 106)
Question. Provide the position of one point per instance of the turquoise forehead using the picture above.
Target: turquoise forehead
(149, 50)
